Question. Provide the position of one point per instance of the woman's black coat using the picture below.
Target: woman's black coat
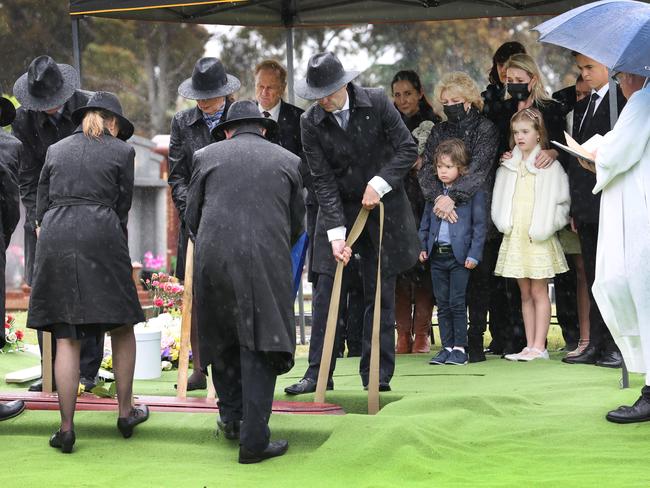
(82, 273)
(481, 141)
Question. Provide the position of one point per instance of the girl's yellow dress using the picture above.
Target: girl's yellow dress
(519, 256)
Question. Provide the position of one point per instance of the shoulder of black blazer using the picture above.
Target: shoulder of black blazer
(600, 124)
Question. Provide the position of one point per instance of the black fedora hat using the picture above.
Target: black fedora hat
(7, 112)
(246, 111)
(108, 102)
(46, 84)
(209, 80)
(325, 75)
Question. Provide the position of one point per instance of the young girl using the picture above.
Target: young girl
(529, 205)
(453, 249)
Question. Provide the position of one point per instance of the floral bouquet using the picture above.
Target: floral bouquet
(154, 263)
(166, 292)
(13, 336)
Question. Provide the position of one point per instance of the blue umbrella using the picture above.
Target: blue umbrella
(615, 33)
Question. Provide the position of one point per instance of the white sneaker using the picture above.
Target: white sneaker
(534, 353)
(516, 356)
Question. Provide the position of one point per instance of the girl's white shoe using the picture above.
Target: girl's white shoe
(515, 356)
(534, 353)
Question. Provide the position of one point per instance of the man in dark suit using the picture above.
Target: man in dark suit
(591, 116)
(359, 151)
(270, 84)
(211, 87)
(48, 94)
(10, 154)
(246, 209)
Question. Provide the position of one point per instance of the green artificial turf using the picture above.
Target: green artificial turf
(495, 423)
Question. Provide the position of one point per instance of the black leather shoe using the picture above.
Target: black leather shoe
(63, 440)
(382, 387)
(494, 348)
(230, 430)
(305, 385)
(639, 412)
(589, 356)
(610, 359)
(36, 386)
(476, 355)
(138, 414)
(274, 449)
(11, 409)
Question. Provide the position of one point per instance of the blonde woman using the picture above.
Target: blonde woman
(462, 104)
(82, 285)
(525, 89)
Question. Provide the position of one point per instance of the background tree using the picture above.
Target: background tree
(143, 63)
(430, 48)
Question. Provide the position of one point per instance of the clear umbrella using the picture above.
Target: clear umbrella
(613, 32)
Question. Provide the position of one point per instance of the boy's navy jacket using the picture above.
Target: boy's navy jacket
(467, 234)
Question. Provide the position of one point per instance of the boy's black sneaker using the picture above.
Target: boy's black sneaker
(457, 358)
(441, 357)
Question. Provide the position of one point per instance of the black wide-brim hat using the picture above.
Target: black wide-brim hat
(325, 75)
(209, 80)
(7, 112)
(108, 102)
(246, 111)
(46, 85)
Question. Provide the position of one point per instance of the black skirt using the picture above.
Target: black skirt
(81, 331)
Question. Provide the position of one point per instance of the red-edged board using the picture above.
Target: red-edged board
(87, 401)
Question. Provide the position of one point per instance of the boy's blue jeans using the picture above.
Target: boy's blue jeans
(450, 287)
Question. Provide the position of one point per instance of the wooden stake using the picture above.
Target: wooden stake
(186, 323)
(48, 383)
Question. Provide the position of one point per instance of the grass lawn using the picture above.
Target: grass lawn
(495, 423)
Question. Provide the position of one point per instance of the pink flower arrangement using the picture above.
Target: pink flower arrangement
(151, 262)
(165, 291)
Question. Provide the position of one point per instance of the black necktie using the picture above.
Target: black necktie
(266, 114)
(590, 113)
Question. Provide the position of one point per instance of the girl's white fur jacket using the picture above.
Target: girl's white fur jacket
(551, 200)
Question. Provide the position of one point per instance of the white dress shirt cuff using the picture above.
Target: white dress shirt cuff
(379, 185)
(337, 233)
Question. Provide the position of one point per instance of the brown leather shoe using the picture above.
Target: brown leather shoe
(421, 344)
(403, 343)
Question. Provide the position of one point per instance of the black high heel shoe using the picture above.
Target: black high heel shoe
(63, 440)
(137, 415)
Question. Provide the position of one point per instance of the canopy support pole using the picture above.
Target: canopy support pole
(613, 100)
(290, 70)
(76, 46)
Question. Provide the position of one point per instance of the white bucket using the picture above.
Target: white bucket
(147, 354)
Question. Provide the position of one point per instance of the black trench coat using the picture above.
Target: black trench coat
(82, 272)
(189, 133)
(342, 162)
(246, 208)
(10, 154)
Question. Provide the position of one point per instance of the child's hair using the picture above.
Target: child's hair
(457, 152)
(535, 117)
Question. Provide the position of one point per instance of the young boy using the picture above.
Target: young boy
(453, 250)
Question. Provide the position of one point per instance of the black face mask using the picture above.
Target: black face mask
(455, 113)
(518, 91)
